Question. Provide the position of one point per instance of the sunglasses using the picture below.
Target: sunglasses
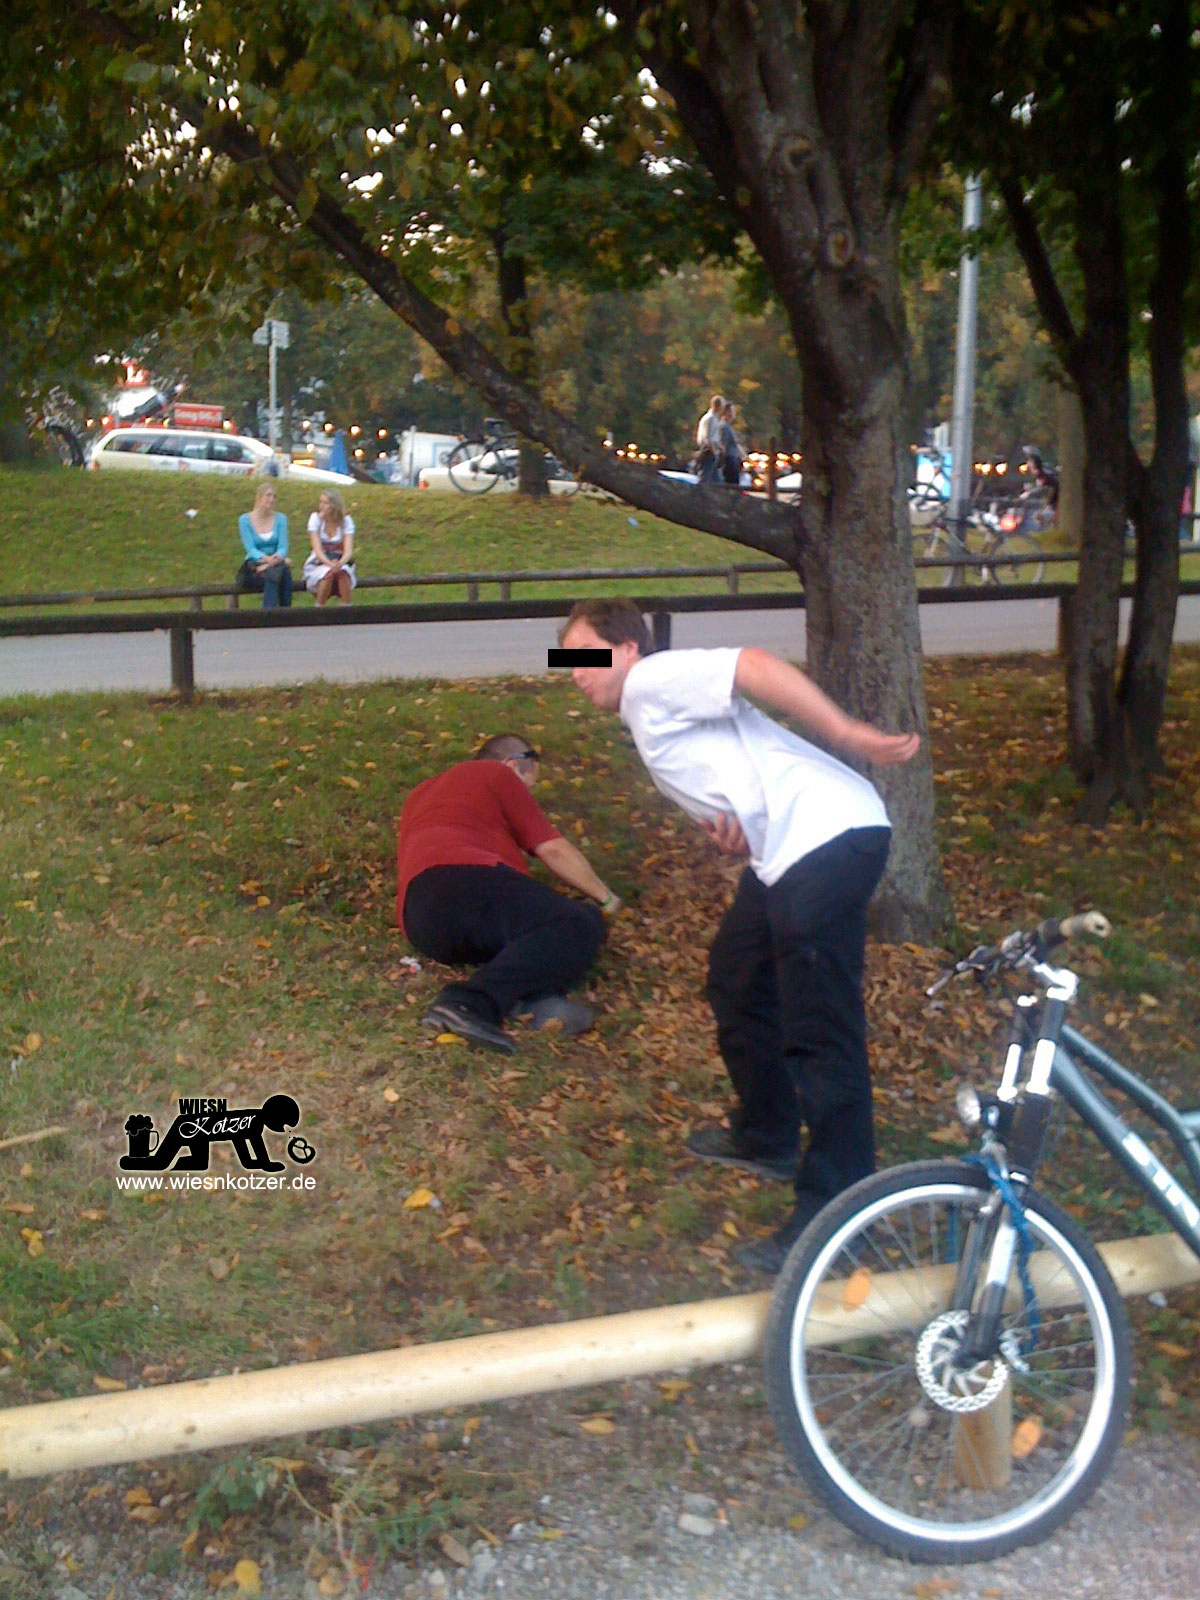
(527, 755)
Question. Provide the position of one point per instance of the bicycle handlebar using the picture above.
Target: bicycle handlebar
(1024, 949)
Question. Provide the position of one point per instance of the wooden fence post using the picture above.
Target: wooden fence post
(183, 662)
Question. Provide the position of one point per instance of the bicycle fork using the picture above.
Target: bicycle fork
(982, 1339)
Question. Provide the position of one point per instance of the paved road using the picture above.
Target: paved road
(227, 660)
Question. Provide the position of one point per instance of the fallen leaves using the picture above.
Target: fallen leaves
(1026, 1437)
(599, 1426)
(247, 1577)
(454, 1550)
(856, 1289)
(419, 1199)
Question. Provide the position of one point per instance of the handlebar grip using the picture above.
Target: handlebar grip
(1093, 923)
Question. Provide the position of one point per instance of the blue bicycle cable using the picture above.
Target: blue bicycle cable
(1012, 1202)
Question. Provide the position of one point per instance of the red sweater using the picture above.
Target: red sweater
(477, 814)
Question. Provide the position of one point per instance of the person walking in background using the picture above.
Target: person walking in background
(708, 440)
(785, 969)
(264, 535)
(464, 895)
(329, 566)
(731, 447)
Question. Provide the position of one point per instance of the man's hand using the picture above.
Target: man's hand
(612, 904)
(880, 749)
(726, 833)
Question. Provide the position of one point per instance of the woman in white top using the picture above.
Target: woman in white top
(329, 568)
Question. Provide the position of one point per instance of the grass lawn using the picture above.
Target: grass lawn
(200, 902)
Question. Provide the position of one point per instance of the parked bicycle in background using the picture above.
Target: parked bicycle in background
(994, 540)
(479, 463)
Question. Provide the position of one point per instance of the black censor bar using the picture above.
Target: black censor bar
(579, 658)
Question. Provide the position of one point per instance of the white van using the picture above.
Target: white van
(418, 450)
(197, 450)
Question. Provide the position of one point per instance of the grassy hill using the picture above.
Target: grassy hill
(69, 530)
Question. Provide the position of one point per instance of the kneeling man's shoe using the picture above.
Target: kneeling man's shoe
(448, 1017)
(572, 1016)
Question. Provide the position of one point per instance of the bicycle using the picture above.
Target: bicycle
(948, 1358)
(479, 463)
(975, 550)
(55, 428)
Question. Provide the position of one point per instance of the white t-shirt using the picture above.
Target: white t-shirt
(711, 751)
(706, 430)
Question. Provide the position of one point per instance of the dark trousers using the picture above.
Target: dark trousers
(532, 942)
(275, 584)
(785, 985)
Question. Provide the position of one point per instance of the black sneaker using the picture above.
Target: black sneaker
(448, 1017)
(769, 1253)
(575, 1016)
(719, 1144)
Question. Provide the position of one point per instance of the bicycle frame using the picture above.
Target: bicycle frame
(1181, 1209)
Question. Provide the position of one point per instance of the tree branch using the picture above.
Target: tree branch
(768, 527)
(1053, 308)
(924, 90)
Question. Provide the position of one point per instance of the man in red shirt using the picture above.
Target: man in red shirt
(464, 895)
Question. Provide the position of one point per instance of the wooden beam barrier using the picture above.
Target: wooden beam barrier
(174, 1419)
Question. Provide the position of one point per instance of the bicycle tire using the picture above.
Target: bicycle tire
(67, 444)
(939, 546)
(462, 466)
(1017, 544)
(902, 1493)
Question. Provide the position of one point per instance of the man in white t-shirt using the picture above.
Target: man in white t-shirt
(785, 969)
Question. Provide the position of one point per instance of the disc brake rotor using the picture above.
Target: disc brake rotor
(952, 1388)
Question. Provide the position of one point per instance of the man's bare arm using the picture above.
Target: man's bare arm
(572, 867)
(785, 688)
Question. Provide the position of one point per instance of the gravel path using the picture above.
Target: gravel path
(693, 1501)
(1139, 1539)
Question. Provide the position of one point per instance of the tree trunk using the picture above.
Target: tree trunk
(1143, 685)
(521, 352)
(1100, 368)
(1069, 516)
(864, 644)
(1095, 742)
(15, 443)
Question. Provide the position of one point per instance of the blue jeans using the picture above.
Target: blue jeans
(275, 584)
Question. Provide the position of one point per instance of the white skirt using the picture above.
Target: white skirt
(315, 569)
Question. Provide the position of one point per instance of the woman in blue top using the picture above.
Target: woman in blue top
(264, 534)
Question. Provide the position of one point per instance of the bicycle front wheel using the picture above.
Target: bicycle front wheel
(473, 466)
(1024, 571)
(932, 1459)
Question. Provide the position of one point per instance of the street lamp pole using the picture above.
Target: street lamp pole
(962, 419)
